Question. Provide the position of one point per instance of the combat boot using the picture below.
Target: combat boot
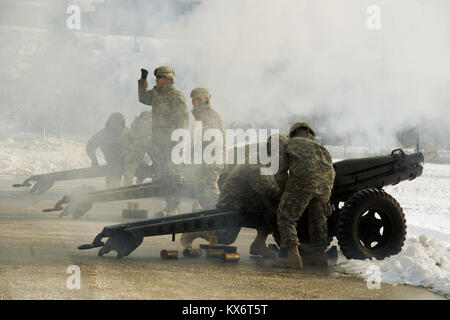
(293, 260)
(259, 248)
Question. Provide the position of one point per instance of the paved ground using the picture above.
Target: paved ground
(37, 248)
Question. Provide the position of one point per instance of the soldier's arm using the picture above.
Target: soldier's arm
(92, 145)
(181, 110)
(213, 121)
(145, 95)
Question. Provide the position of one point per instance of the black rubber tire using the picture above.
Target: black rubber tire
(359, 228)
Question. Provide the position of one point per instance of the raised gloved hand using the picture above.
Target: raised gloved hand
(144, 74)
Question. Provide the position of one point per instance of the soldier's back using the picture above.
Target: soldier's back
(311, 167)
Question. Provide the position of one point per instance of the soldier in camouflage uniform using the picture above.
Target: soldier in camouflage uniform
(169, 112)
(141, 132)
(206, 175)
(254, 195)
(114, 141)
(311, 178)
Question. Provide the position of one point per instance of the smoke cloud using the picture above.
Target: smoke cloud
(266, 63)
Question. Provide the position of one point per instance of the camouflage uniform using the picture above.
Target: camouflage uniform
(169, 113)
(114, 140)
(207, 175)
(256, 197)
(141, 131)
(311, 178)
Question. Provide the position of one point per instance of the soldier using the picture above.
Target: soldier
(141, 132)
(114, 140)
(311, 178)
(206, 176)
(169, 113)
(256, 196)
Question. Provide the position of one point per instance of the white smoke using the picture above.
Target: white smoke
(264, 62)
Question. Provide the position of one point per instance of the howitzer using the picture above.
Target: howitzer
(370, 224)
(79, 204)
(45, 181)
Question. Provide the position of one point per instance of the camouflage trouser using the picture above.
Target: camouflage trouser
(291, 208)
(170, 174)
(132, 162)
(113, 178)
(206, 188)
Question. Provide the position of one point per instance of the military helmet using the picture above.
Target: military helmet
(165, 71)
(301, 125)
(200, 93)
(115, 120)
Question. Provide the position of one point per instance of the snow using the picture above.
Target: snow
(424, 260)
(35, 156)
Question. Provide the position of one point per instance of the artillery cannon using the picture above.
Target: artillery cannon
(45, 181)
(78, 205)
(370, 223)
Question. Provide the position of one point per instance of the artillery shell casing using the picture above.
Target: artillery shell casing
(215, 253)
(192, 253)
(136, 205)
(231, 257)
(169, 254)
(130, 205)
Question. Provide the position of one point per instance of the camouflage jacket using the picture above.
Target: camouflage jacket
(310, 167)
(245, 189)
(114, 147)
(169, 111)
(210, 119)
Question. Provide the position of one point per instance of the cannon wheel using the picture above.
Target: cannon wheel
(371, 225)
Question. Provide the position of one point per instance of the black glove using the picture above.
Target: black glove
(144, 74)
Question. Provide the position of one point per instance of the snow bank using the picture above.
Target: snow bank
(34, 156)
(422, 262)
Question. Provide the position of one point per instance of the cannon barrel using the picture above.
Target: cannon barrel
(374, 172)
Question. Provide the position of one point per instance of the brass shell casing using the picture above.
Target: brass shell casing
(169, 254)
(231, 257)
